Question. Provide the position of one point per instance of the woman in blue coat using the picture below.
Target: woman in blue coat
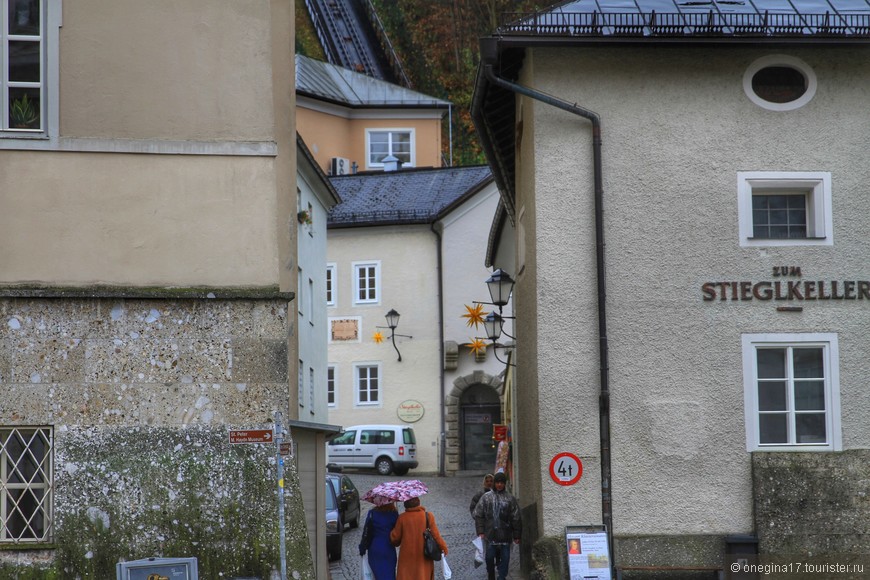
(381, 553)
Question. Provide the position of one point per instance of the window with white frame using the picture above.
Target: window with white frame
(367, 384)
(300, 394)
(366, 281)
(300, 295)
(310, 299)
(22, 48)
(396, 142)
(311, 390)
(26, 481)
(330, 386)
(791, 392)
(784, 208)
(330, 285)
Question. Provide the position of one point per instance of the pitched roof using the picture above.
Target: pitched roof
(650, 19)
(409, 196)
(581, 23)
(326, 81)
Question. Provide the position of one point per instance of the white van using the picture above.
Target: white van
(387, 448)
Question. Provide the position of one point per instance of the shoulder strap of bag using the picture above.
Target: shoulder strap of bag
(427, 519)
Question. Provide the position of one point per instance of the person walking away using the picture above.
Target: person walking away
(498, 522)
(487, 485)
(381, 553)
(408, 536)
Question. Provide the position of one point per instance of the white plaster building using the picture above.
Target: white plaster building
(707, 363)
(413, 241)
(315, 196)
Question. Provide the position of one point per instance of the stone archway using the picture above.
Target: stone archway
(453, 444)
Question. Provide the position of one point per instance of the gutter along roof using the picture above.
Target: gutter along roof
(577, 23)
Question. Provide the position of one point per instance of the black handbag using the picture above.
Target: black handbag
(431, 549)
(367, 535)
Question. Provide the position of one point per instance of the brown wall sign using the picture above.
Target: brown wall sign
(800, 290)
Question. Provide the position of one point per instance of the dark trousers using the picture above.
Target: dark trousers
(498, 555)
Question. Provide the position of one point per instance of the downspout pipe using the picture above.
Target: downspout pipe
(489, 54)
(439, 237)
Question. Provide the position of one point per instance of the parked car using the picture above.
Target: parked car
(387, 448)
(348, 498)
(334, 525)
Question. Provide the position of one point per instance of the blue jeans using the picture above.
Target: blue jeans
(498, 554)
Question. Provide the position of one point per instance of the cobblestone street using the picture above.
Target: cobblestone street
(448, 500)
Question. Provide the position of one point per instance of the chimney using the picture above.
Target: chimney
(392, 163)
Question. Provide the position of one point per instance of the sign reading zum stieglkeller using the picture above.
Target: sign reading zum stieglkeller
(794, 289)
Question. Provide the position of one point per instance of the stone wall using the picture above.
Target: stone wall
(140, 393)
(813, 506)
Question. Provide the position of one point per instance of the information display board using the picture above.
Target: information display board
(158, 569)
(588, 553)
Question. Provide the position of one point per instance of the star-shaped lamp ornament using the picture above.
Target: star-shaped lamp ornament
(477, 345)
(474, 315)
(378, 337)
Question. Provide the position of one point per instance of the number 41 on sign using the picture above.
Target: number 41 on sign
(566, 468)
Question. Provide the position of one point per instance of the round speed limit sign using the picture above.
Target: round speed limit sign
(566, 469)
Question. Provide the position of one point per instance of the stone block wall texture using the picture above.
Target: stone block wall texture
(141, 394)
(814, 506)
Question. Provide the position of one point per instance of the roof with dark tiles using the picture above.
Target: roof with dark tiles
(407, 196)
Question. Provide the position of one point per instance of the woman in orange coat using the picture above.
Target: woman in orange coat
(408, 534)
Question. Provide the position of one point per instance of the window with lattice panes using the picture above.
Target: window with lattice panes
(26, 482)
(367, 381)
(366, 282)
(791, 392)
(781, 208)
(330, 386)
(398, 143)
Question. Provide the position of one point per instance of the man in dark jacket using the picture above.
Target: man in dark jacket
(487, 485)
(498, 522)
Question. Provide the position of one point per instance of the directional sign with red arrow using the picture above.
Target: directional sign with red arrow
(251, 436)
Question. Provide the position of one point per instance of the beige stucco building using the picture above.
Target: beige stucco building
(350, 121)
(147, 276)
(711, 383)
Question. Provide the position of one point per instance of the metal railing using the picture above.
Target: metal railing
(687, 24)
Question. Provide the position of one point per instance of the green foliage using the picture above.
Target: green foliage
(307, 43)
(438, 43)
(23, 113)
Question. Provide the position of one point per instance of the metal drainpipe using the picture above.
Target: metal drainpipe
(442, 460)
(604, 369)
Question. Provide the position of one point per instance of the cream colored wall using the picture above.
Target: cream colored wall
(81, 219)
(465, 235)
(672, 151)
(409, 285)
(186, 78)
(167, 70)
(329, 136)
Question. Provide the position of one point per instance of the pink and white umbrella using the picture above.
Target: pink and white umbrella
(391, 491)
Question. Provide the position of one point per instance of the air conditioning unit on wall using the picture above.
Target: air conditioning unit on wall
(339, 166)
